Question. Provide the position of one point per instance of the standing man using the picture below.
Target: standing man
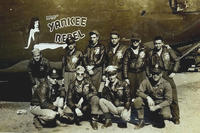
(38, 68)
(70, 61)
(94, 58)
(166, 58)
(82, 98)
(116, 52)
(134, 64)
(115, 98)
(157, 93)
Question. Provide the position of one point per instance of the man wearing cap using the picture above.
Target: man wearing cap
(134, 64)
(48, 102)
(166, 58)
(70, 61)
(116, 52)
(115, 98)
(157, 93)
(38, 68)
(42, 108)
(57, 95)
(57, 90)
(94, 58)
(82, 98)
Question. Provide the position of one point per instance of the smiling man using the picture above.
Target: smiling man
(116, 52)
(115, 98)
(156, 92)
(38, 68)
(134, 64)
(82, 98)
(94, 58)
(70, 61)
(167, 61)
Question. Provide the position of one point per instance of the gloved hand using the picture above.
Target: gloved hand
(104, 78)
(90, 70)
(126, 114)
(107, 82)
(79, 104)
(78, 112)
(127, 81)
(154, 108)
(172, 75)
(150, 101)
(167, 46)
(60, 112)
(61, 102)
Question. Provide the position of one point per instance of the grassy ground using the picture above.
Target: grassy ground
(189, 101)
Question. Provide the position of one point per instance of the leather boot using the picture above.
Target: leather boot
(94, 124)
(140, 124)
(122, 124)
(175, 121)
(36, 123)
(108, 123)
(60, 121)
(159, 122)
(77, 121)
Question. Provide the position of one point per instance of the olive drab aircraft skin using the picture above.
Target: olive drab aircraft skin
(46, 24)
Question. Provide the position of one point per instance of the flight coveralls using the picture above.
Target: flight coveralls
(168, 63)
(161, 93)
(95, 56)
(134, 68)
(69, 63)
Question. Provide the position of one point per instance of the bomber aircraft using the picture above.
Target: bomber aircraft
(46, 24)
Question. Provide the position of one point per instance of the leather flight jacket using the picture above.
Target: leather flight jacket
(167, 60)
(77, 90)
(38, 70)
(118, 93)
(56, 90)
(71, 61)
(95, 55)
(41, 97)
(116, 59)
(134, 62)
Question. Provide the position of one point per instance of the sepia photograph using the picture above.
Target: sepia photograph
(101, 66)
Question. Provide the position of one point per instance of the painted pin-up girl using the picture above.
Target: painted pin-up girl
(34, 31)
(33, 39)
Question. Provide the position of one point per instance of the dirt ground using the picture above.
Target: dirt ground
(188, 85)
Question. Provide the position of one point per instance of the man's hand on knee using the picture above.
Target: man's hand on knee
(150, 101)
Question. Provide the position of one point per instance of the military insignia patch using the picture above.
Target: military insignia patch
(97, 50)
(119, 54)
(74, 59)
(142, 54)
(166, 56)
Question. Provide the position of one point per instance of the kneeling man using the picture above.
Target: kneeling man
(48, 101)
(157, 92)
(115, 98)
(82, 98)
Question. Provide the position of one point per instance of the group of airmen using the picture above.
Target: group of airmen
(101, 84)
